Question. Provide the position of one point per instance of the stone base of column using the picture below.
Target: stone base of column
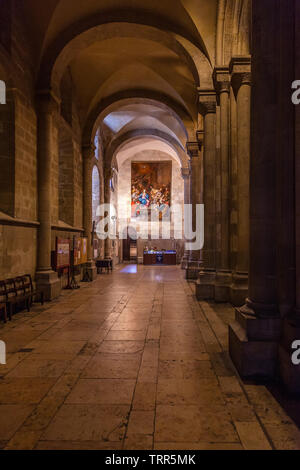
(253, 344)
(90, 271)
(239, 289)
(205, 287)
(48, 282)
(222, 286)
(192, 270)
(289, 372)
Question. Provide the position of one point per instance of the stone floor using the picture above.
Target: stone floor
(131, 361)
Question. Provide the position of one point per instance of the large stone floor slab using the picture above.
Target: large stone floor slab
(132, 361)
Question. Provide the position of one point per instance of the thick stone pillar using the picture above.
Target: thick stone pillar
(240, 69)
(107, 191)
(194, 152)
(88, 154)
(288, 143)
(205, 288)
(254, 336)
(233, 182)
(223, 274)
(46, 278)
(186, 175)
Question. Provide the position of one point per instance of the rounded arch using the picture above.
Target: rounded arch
(110, 24)
(233, 29)
(142, 144)
(116, 144)
(114, 102)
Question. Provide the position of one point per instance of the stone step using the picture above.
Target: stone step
(251, 358)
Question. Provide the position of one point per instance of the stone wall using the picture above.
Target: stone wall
(66, 176)
(17, 250)
(78, 184)
(55, 177)
(25, 159)
(18, 146)
(18, 240)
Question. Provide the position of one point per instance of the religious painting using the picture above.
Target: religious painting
(151, 188)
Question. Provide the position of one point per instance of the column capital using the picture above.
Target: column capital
(88, 151)
(222, 79)
(193, 149)
(200, 139)
(240, 70)
(47, 102)
(207, 101)
(185, 173)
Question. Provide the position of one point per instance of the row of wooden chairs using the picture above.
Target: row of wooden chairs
(15, 292)
(106, 264)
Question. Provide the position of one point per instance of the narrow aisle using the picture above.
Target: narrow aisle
(131, 361)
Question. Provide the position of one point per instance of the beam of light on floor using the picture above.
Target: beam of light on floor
(131, 269)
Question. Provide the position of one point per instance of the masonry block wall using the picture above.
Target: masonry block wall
(66, 176)
(25, 159)
(18, 152)
(18, 160)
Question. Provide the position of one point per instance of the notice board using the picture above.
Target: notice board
(77, 251)
(63, 252)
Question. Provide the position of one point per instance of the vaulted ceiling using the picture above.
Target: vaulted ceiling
(158, 50)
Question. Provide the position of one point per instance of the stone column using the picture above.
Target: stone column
(194, 152)
(240, 68)
(46, 278)
(107, 192)
(102, 242)
(88, 154)
(233, 182)
(223, 275)
(297, 169)
(254, 335)
(288, 179)
(205, 288)
(186, 175)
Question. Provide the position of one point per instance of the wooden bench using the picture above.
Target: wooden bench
(29, 288)
(106, 264)
(15, 295)
(17, 291)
